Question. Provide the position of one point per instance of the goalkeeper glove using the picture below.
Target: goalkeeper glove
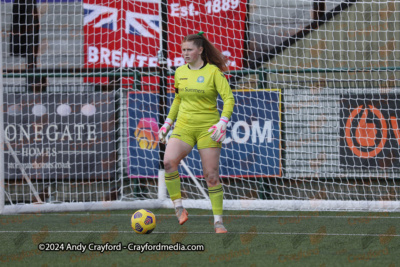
(162, 133)
(219, 130)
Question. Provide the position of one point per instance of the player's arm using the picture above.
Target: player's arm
(225, 91)
(221, 83)
(173, 113)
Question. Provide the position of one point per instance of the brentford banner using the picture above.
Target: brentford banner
(127, 33)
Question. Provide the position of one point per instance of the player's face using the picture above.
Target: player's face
(191, 53)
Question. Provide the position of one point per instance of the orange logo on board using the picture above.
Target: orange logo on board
(364, 142)
(146, 133)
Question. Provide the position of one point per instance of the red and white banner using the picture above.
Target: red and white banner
(127, 33)
(222, 21)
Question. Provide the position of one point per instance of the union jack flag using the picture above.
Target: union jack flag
(142, 24)
(100, 16)
(136, 23)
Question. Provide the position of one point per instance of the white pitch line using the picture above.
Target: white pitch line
(228, 215)
(248, 233)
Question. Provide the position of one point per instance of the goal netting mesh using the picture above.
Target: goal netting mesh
(86, 84)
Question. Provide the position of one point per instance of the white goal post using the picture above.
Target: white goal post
(84, 88)
(2, 191)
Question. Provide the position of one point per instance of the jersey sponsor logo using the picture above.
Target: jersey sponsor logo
(188, 90)
(183, 79)
(200, 79)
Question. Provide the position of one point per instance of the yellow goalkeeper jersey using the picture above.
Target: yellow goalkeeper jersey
(196, 92)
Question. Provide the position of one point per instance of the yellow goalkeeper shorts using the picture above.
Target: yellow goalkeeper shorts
(193, 136)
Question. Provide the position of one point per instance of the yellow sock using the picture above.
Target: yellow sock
(173, 183)
(216, 196)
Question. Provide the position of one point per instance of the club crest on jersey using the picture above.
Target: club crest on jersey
(200, 79)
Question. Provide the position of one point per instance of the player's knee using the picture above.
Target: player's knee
(170, 165)
(212, 179)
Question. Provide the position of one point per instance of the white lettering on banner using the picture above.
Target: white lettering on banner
(257, 131)
(38, 132)
(56, 134)
(141, 59)
(105, 56)
(36, 151)
(93, 54)
(91, 132)
(175, 10)
(179, 61)
(79, 128)
(51, 132)
(211, 7)
(229, 62)
(40, 165)
(116, 58)
(66, 133)
(254, 131)
(235, 135)
(178, 11)
(127, 60)
(113, 57)
(153, 62)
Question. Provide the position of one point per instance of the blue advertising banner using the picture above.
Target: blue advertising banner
(252, 147)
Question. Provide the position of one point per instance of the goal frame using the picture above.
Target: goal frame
(162, 201)
(264, 205)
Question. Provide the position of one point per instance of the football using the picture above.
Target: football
(143, 221)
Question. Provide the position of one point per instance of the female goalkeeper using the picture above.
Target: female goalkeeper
(197, 85)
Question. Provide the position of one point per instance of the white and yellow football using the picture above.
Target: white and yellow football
(143, 221)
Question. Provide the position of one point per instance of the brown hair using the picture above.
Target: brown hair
(210, 53)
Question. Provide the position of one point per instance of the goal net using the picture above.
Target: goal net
(86, 84)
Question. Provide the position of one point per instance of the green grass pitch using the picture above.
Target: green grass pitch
(255, 238)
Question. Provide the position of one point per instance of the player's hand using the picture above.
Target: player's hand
(162, 133)
(219, 130)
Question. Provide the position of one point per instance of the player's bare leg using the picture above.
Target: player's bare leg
(210, 162)
(176, 150)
